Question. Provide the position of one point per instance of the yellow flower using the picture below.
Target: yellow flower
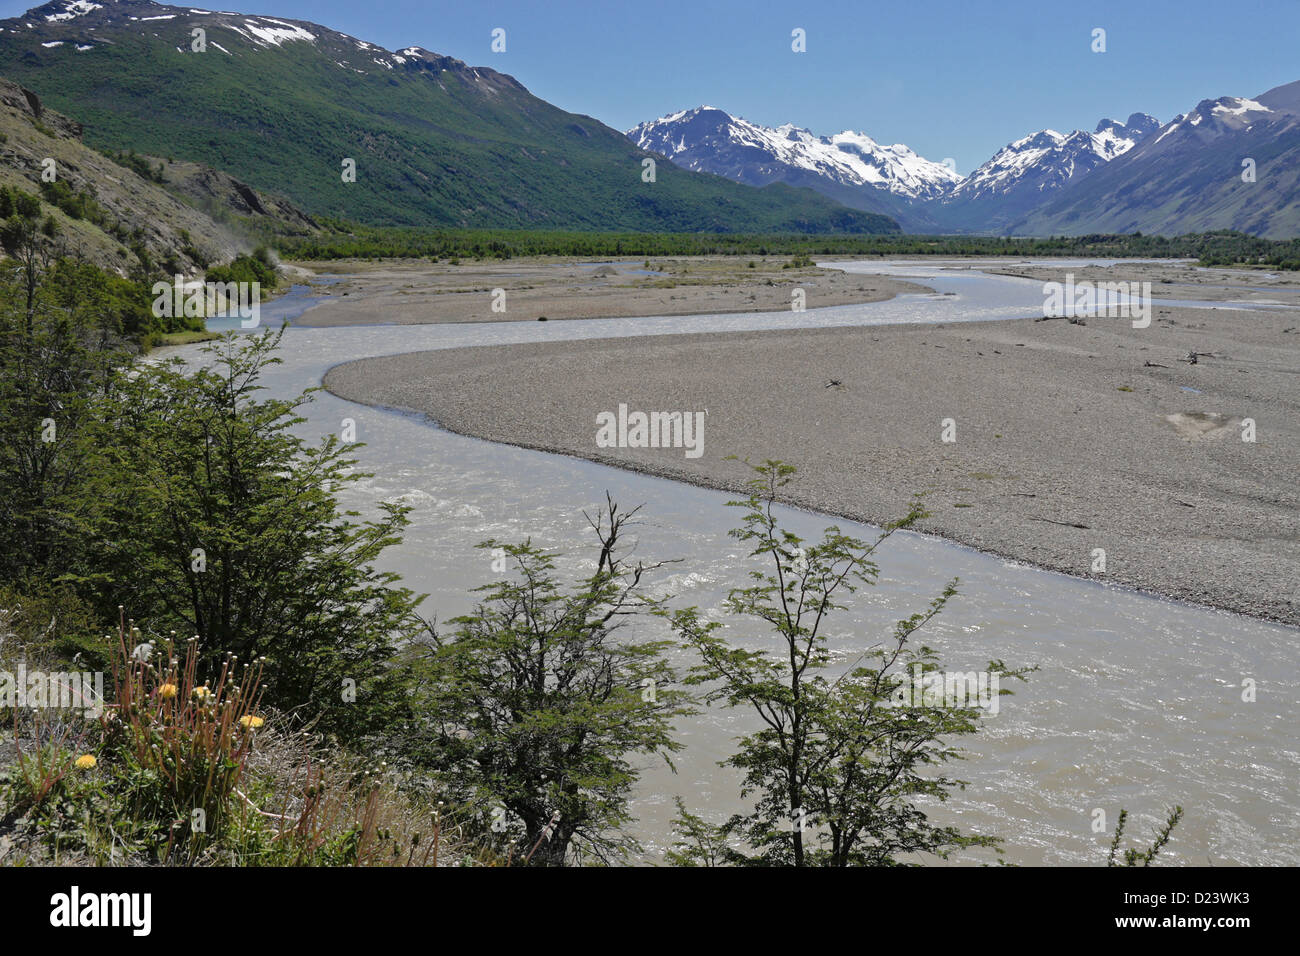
(249, 722)
(202, 693)
(85, 762)
(167, 691)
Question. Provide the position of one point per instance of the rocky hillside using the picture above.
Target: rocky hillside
(121, 212)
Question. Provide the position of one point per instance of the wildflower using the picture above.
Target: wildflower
(249, 722)
(85, 762)
(167, 691)
(202, 693)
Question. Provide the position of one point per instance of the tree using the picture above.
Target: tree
(25, 239)
(839, 764)
(533, 706)
(222, 523)
(57, 359)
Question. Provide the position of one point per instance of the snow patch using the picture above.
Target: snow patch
(1243, 106)
(277, 35)
(74, 9)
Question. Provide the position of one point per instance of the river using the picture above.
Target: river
(1137, 700)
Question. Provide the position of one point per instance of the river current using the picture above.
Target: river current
(1137, 702)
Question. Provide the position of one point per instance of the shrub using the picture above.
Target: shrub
(180, 769)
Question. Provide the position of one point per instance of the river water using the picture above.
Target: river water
(1137, 700)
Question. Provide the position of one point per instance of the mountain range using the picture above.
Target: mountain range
(280, 105)
(1139, 175)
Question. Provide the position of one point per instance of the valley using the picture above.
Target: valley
(415, 454)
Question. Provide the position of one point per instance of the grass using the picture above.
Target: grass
(185, 767)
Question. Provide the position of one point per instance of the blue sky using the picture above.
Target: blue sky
(950, 78)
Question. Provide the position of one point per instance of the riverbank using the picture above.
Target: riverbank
(418, 292)
(1172, 280)
(1068, 438)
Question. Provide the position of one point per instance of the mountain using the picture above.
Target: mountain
(854, 169)
(281, 104)
(709, 139)
(850, 167)
(1188, 177)
(121, 212)
(1023, 175)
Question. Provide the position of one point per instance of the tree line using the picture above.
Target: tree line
(344, 240)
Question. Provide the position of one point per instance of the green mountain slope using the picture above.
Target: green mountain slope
(281, 104)
(137, 213)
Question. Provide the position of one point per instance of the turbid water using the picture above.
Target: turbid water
(1137, 702)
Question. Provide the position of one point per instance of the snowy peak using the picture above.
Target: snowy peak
(1138, 126)
(86, 25)
(896, 167)
(1045, 161)
(88, 15)
(711, 140)
(708, 139)
(1190, 176)
(1212, 119)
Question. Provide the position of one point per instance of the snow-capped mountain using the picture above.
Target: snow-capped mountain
(710, 140)
(849, 167)
(856, 170)
(1229, 163)
(1047, 160)
(1214, 118)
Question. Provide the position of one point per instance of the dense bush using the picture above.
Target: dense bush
(343, 240)
(257, 267)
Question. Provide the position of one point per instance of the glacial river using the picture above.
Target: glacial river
(1137, 700)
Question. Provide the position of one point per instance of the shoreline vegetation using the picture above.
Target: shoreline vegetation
(346, 240)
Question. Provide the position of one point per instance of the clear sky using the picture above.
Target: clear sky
(950, 78)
